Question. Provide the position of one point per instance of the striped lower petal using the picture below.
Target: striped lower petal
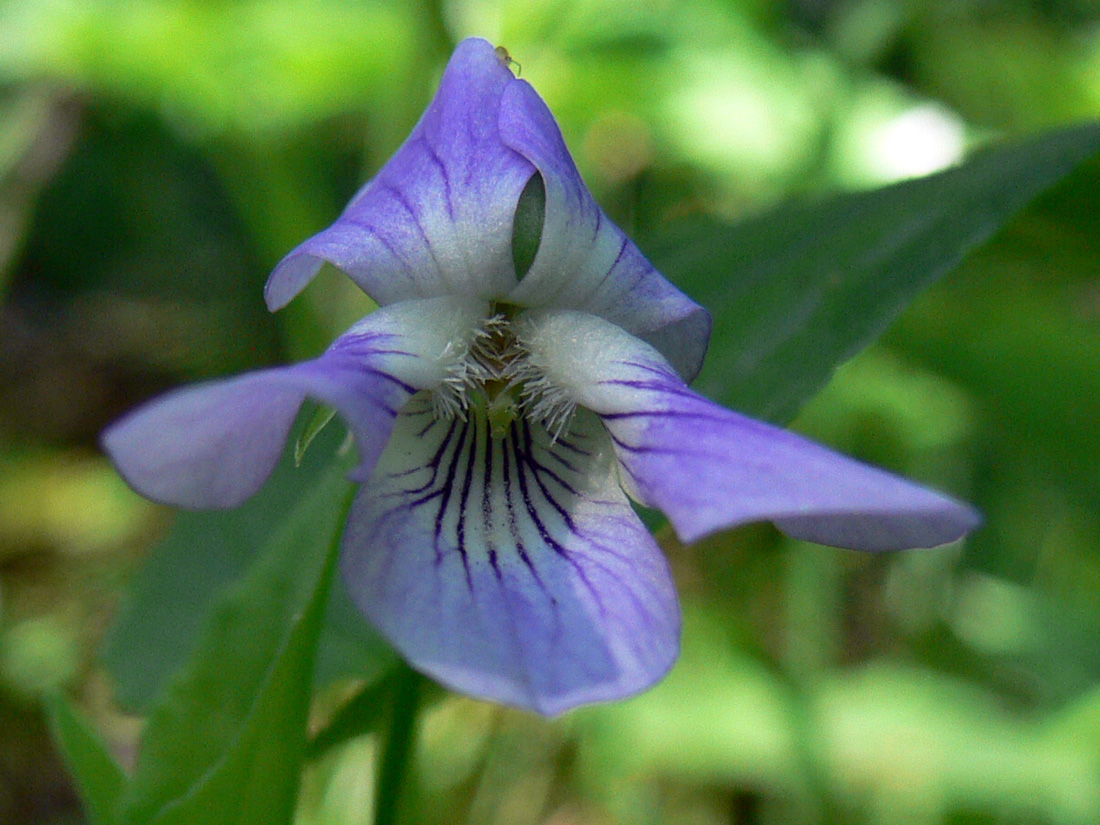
(509, 567)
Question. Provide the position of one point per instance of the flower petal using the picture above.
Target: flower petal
(508, 567)
(437, 218)
(214, 445)
(709, 468)
(585, 261)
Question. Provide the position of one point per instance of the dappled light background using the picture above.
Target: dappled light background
(157, 158)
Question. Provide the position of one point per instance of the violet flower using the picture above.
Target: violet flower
(505, 419)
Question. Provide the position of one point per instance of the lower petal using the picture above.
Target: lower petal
(709, 468)
(510, 568)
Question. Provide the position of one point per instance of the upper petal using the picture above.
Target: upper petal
(709, 468)
(585, 261)
(214, 445)
(437, 218)
(508, 567)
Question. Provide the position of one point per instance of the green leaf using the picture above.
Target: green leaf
(1030, 357)
(797, 292)
(318, 422)
(98, 777)
(205, 552)
(361, 714)
(227, 741)
(366, 711)
(351, 648)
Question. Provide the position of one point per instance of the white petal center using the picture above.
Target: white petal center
(492, 372)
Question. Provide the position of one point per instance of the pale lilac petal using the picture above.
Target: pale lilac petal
(709, 468)
(585, 261)
(510, 569)
(208, 446)
(437, 218)
(213, 445)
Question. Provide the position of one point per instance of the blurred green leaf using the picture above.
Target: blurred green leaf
(1078, 723)
(252, 66)
(721, 715)
(203, 553)
(913, 745)
(98, 777)
(36, 133)
(1032, 360)
(977, 65)
(799, 291)
(363, 713)
(368, 709)
(226, 742)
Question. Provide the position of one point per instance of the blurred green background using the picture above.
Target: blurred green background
(158, 158)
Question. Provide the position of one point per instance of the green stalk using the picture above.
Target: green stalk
(397, 747)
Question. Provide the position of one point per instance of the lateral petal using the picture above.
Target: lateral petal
(585, 261)
(437, 218)
(709, 468)
(214, 445)
(509, 567)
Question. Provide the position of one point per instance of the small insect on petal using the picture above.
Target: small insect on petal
(508, 60)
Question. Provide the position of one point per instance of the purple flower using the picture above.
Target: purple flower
(504, 420)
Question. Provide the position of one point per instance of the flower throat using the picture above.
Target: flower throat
(494, 375)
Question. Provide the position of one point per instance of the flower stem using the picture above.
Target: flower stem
(397, 747)
(815, 611)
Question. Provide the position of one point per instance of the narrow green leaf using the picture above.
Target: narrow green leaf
(98, 777)
(227, 741)
(797, 292)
